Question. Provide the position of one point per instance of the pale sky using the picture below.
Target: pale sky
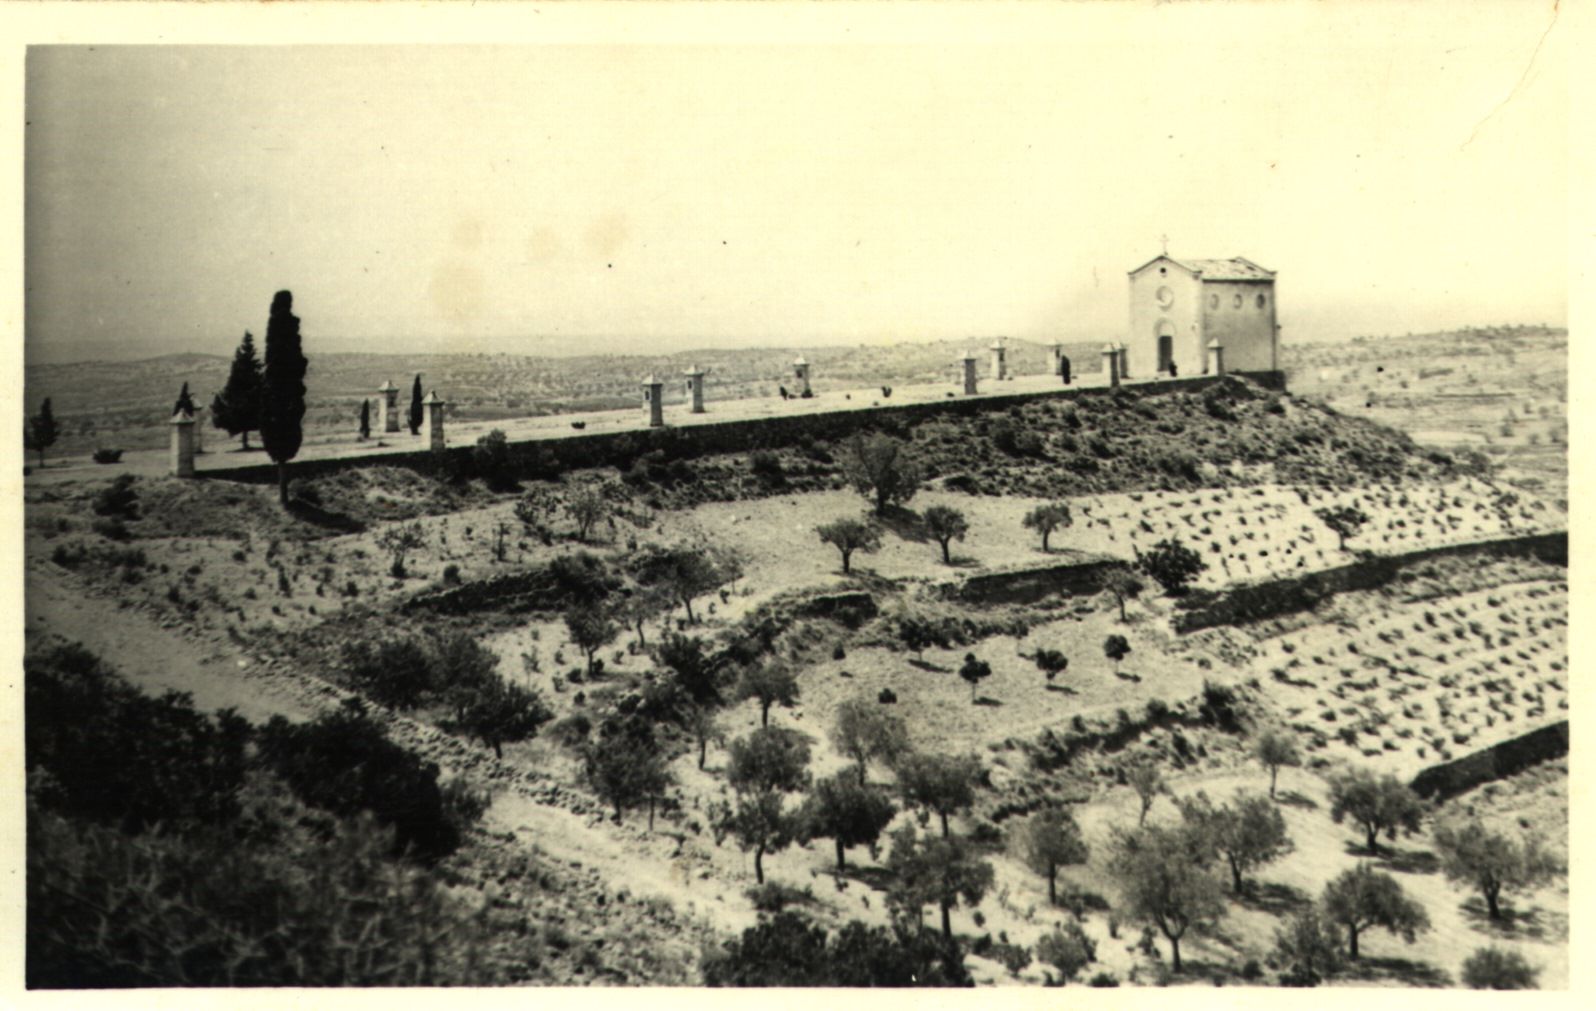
(539, 199)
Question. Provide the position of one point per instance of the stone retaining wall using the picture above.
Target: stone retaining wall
(578, 450)
(1300, 593)
(1440, 782)
(1030, 585)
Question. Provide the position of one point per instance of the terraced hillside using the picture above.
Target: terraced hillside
(1431, 625)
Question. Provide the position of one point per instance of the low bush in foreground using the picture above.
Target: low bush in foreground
(786, 950)
(166, 847)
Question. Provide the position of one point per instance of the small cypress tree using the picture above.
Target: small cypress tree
(40, 433)
(365, 420)
(236, 409)
(282, 404)
(415, 406)
(185, 403)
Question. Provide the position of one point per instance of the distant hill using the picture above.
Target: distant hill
(1501, 391)
(124, 404)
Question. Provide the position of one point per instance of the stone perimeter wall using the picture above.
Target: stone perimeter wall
(577, 450)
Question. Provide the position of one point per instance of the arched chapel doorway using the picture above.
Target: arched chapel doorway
(1166, 345)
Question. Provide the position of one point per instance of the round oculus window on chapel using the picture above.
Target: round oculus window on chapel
(1262, 301)
(1237, 300)
(1165, 297)
(1213, 301)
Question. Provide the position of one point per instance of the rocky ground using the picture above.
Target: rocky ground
(213, 590)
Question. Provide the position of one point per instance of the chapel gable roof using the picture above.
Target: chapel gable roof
(1234, 269)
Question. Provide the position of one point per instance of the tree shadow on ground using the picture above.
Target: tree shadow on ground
(963, 562)
(1066, 689)
(1534, 923)
(1398, 860)
(1291, 798)
(1125, 675)
(905, 524)
(987, 701)
(874, 878)
(1273, 898)
(326, 519)
(927, 665)
(1406, 971)
(1197, 970)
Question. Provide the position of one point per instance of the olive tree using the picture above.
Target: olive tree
(864, 731)
(1164, 880)
(945, 524)
(943, 872)
(848, 536)
(1276, 748)
(879, 468)
(1048, 840)
(938, 784)
(762, 768)
(1378, 804)
(1364, 898)
(1148, 782)
(1492, 862)
(846, 811)
(769, 684)
(1045, 519)
(1248, 832)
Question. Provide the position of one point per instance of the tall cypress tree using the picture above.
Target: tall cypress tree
(236, 409)
(40, 432)
(415, 406)
(365, 420)
(282, 403)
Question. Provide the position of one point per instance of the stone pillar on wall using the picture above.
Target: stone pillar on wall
(432, 421)
(1216, 358)
(695, 388)
(1055, 352)
(968, 362)
(1000, 360)
(1124, 361)
(199, 429)
(654, 398)
(800, 372)
(1111, 363)
(182, 462)
(387, 408)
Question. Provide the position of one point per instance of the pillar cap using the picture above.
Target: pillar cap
(432, 399)
(1109, 348)
(969, 356)
(998, 345)
(800, 360)
(1214, 344)
(650, 380)
(695, 371)
(182, 418)
(387, 387)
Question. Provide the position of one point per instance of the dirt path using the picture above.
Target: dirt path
(216, 674)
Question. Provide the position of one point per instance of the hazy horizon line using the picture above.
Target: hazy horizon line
(580, 346)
